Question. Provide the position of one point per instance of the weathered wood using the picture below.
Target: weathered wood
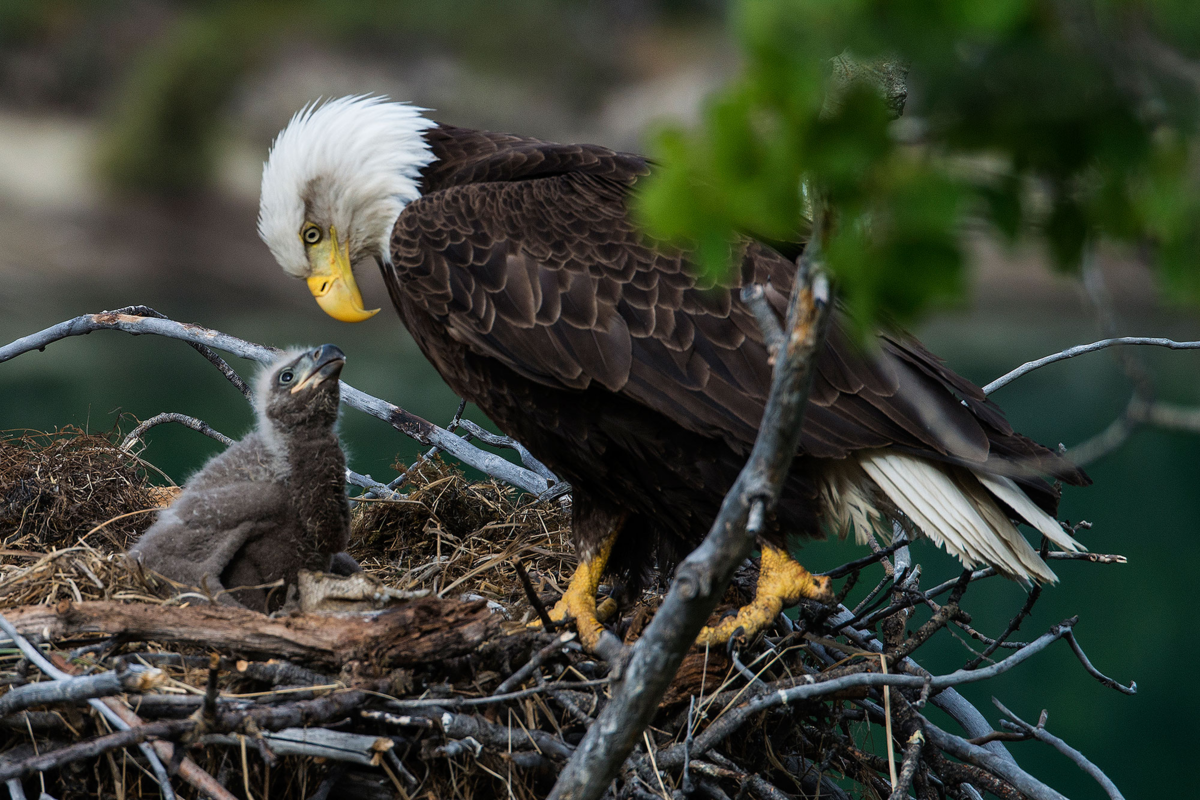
(415, 632)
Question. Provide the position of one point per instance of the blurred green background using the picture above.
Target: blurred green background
(131, 138)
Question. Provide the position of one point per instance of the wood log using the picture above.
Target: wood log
(414, 632)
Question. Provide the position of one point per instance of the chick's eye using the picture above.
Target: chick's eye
(311, 234)
(286, 376)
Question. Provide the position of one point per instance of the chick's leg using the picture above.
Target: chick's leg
(782, 582)
(579, 601)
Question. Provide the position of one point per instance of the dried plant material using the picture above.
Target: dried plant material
(458, 537)
(56, 487)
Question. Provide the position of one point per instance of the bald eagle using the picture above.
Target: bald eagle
(516, 267)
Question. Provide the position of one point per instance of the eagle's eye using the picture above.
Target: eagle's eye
(311, 234)
(286, 377)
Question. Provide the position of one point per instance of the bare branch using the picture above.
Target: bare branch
(1095, 673)
(355, 748)
(1007, 770)
(375, 489)
(198, 425)
(908, 768)
(527, 458)
(866, 561)
(1053, 555)
(1166, 415)
(90, 748)
(1078, 350)
(1013, 625)
(221, 364)
(1040, 733)
(407, 423)
(133, 678)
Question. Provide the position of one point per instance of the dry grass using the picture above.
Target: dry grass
(455, 537)
(56, 487)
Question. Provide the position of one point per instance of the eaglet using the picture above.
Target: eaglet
(273, 503)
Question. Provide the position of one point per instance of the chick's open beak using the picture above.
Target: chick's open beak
(332, 281)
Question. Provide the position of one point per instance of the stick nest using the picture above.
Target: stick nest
(67, 503)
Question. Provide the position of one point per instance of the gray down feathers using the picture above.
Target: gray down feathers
(270, 505)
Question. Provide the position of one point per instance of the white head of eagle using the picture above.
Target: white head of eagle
(335, 181)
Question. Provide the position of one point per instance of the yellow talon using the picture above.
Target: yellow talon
(579, 601)
(782, 582)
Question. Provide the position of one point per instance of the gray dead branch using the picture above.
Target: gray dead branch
(137, 320)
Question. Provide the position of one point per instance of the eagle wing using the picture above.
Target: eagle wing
(550, 277)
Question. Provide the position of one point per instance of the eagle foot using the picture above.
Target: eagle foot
(782, 583)
(578, 603)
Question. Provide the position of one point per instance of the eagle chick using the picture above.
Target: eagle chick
(272, 504)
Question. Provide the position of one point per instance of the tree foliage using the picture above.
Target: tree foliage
(1066, 121)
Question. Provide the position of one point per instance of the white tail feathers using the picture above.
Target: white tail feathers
(1008, 491)
(848, 503)
(955, 508)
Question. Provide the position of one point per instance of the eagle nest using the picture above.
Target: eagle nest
(456, 697)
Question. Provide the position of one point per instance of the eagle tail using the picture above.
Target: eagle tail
(955, 507)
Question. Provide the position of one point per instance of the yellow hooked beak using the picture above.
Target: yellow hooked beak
(332, 281)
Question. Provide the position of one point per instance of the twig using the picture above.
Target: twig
(1013, 625)
(908, 768)
(287, 740)
(687, 745)
(1078, 350)
(948, 700)
(497, 440)
(129, 678)
(467, 702)
(1040, 733)
(865, 561)
(463, 726)
(1166, 415)
(1007, 771)
(90, 748)
(405, 422)
(810, 688)
(198, 425)
(773, 335)
(221, 364)
(208, 710)
(758, 786)
(547, 624)
(1053, 555)
(400, 479)
(703, 576)
(333, 778)
(535, 661)
(375, 489)
(355, 748)
(1069, 635)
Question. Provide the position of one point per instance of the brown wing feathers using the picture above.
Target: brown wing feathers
(523, 250)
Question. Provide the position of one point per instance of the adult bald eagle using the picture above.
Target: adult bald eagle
(516, 268)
